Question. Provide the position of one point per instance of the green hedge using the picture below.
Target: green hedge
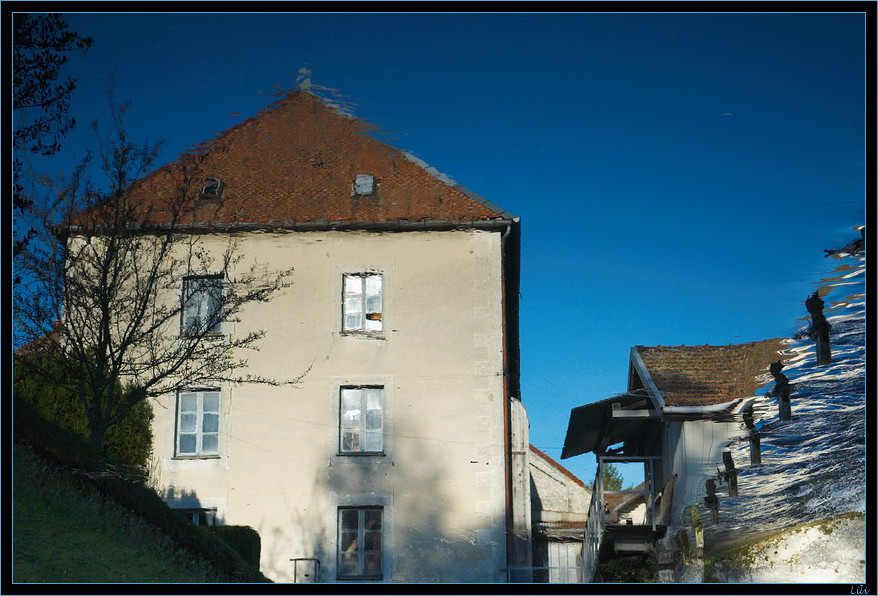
(243, 539)
(129, 442)
(67, 451)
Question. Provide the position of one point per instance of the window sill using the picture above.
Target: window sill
(364, 334)
(211, 337)
(194, 457)
(361, 454)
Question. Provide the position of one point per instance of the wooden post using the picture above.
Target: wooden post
(731, 473)
(755, 447)
(755, 438)
(782, 390)
(820, 328)
(711, 500)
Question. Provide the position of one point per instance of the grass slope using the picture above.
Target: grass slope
(77, 517)
(64, 531)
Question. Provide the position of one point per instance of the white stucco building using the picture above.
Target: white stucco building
(400, 456)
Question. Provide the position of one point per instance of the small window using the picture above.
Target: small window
(359, 542)
(363, 302)
(199, 517)
(198, 418)
(202, 305)
(361, 420)
(211, 188)
(364, 185)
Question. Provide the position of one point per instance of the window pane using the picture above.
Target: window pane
(373, 519)
(187, 423)
(187, 443)
(372, 564)
(211, 402)
(350, 441)
(210, 443)
(373, 304)
(373, 441)
(373, 420)
(210, 423)
(353, 284)
(349, 521)
(372, 541)
(373, 284)
(347, 564)
(373, 398)
(188, 402)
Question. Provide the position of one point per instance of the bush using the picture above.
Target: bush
(129, 442)
(90, 468)
(243, 539)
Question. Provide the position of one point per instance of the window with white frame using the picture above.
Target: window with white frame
(359, 542)
(363, 302)
(198, 418)
(361, 420)
(202, 305)
(364, 184)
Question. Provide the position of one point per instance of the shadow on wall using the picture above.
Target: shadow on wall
(187, 503)
(429, 532)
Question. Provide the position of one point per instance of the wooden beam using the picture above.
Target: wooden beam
(635, 414)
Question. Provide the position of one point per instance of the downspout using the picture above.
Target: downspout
(507, 439)
(508, 387)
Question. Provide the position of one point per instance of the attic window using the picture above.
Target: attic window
(211, 189)
(364, 184)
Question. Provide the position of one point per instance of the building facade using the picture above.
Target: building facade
(391, 458)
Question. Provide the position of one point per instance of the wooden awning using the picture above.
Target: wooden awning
(594, 427)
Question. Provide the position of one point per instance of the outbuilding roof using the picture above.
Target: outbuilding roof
(708, 375)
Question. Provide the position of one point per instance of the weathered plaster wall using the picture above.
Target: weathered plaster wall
(439, 358)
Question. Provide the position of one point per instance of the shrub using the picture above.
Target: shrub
(243, 539)
(129, 442)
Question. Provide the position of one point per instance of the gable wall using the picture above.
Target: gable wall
(442, 480)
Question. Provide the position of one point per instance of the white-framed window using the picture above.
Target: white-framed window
(363, 302)
(364, 185)
(202, 305)
(359, 542)
(361, 420)
(198, 420)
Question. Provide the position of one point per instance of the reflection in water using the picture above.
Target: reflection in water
(813, 463)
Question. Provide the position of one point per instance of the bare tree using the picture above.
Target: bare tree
(40, 99)
(117, 295)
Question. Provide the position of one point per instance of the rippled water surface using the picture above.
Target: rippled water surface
(813, 465)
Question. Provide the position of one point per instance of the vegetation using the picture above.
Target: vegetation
(75, 519)
(129, 442)
(634, 569)
(612, 477)
(40, 98)
(100, 294)
(736, 560)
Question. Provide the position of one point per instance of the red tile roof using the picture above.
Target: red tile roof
(708, 375)
(545, 457)
(295, 163)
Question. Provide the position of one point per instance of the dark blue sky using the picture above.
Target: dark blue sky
(677, 175)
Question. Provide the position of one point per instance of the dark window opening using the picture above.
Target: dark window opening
(212, 188)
